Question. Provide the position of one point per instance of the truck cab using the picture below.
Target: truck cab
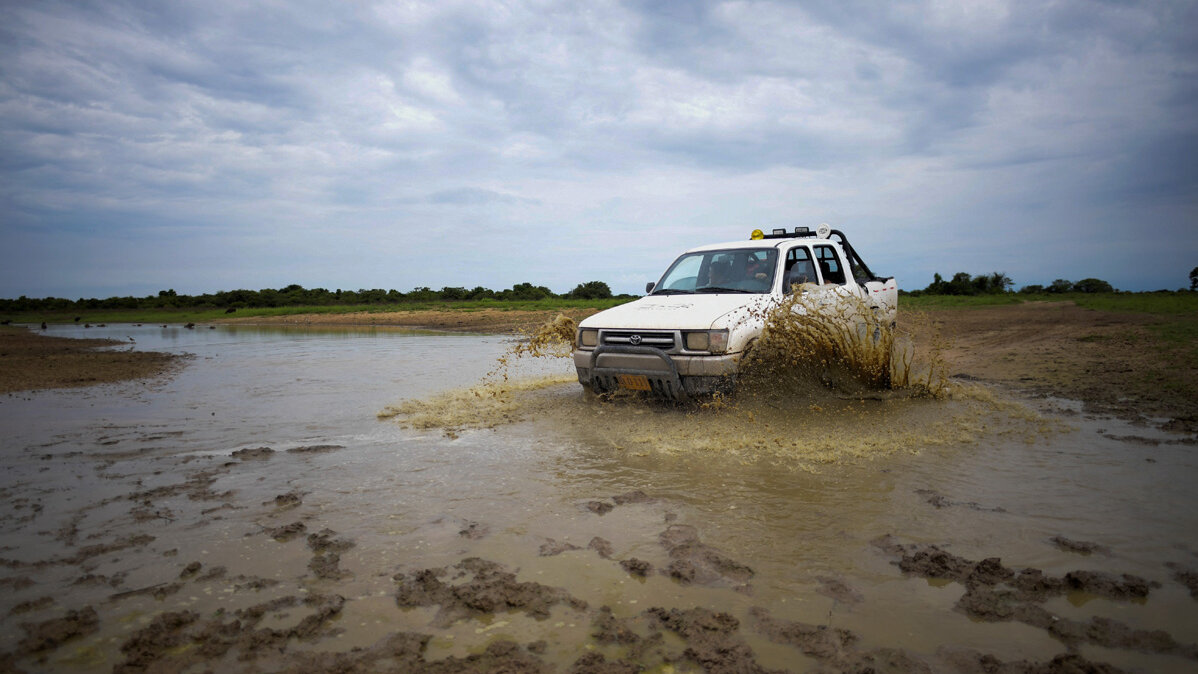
(687, 337)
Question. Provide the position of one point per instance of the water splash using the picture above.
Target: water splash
(817, 337)
(809, 398)
(497, 399)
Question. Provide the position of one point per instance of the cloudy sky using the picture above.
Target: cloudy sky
(227, 144)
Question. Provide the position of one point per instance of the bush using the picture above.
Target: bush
(962, 283)
(1092, 285)
(591, 290)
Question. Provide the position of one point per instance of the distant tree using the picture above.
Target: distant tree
(371, 296)
(962, 284)
(591, 290)
(1194, 278)
(1060, 286)
(453, 293)
(1092, 285)
(936, 287)
(422, 294)
(527, 291)
(1030, 289)
(980, 285)
(269, 298)
(1000, 282)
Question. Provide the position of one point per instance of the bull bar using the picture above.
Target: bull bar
(666, 382)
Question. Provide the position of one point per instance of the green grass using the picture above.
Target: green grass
(956, 301)
(207, 315)
(1177, 304)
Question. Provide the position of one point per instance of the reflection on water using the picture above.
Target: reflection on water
(796, 491)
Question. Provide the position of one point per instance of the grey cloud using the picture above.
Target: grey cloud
(323, 125)
(474, 196)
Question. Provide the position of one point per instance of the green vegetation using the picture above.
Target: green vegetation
(964, 290)
(1158, 302)
(998, 283)
(962, 283)
(922, 301)
(169, 307)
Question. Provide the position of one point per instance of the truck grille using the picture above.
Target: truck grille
(657, 340)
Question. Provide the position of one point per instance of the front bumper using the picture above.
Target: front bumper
(669, 375)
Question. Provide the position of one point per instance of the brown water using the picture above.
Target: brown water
(796, 489)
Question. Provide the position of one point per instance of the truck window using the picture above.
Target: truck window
(829, 265)
(684, 274)
(799, 268)
(739, 270)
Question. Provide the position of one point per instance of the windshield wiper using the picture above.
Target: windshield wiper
(670, 291)
(718, 289)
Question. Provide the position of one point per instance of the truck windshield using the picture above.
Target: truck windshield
(744, 270)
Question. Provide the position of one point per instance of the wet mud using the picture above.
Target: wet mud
(475, 590)
(520, 526)
(996, 593)
(33, 361)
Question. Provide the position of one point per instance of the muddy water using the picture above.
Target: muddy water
(208, 492)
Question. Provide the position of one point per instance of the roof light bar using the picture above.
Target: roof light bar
(782, 233)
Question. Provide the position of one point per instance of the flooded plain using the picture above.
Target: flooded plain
(319, 499)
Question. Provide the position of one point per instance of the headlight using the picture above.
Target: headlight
(588, 337)
(719, 341)
(715, 341)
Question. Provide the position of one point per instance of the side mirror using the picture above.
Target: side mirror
(649, 287)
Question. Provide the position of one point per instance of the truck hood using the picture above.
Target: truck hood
(680, 312)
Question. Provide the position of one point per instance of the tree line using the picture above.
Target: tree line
(997, 283)
(296, 295)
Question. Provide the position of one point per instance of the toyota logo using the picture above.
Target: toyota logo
(634, 340)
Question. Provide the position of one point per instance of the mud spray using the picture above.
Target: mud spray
(823, 384)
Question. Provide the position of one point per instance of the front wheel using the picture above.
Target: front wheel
(592, 390)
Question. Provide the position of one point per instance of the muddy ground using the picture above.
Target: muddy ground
(1115, 363)
(1042, 349)
(32, 361)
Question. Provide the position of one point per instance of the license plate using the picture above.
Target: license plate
(635, 382)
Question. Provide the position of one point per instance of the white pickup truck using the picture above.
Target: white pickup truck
(688, 335)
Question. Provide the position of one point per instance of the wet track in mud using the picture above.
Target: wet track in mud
(252, 513)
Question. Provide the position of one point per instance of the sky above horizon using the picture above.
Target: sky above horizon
(230, 144)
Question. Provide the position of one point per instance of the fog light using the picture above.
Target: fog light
(696, 341)
(588, 337)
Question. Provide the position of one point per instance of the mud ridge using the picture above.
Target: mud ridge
(692, 561)
(995, 593)
(1080, 547)
(51, 634)
(939, 501)
(176, 640)
(1187, 577)
(485, 587)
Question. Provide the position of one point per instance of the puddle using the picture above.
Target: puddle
(763, 511)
